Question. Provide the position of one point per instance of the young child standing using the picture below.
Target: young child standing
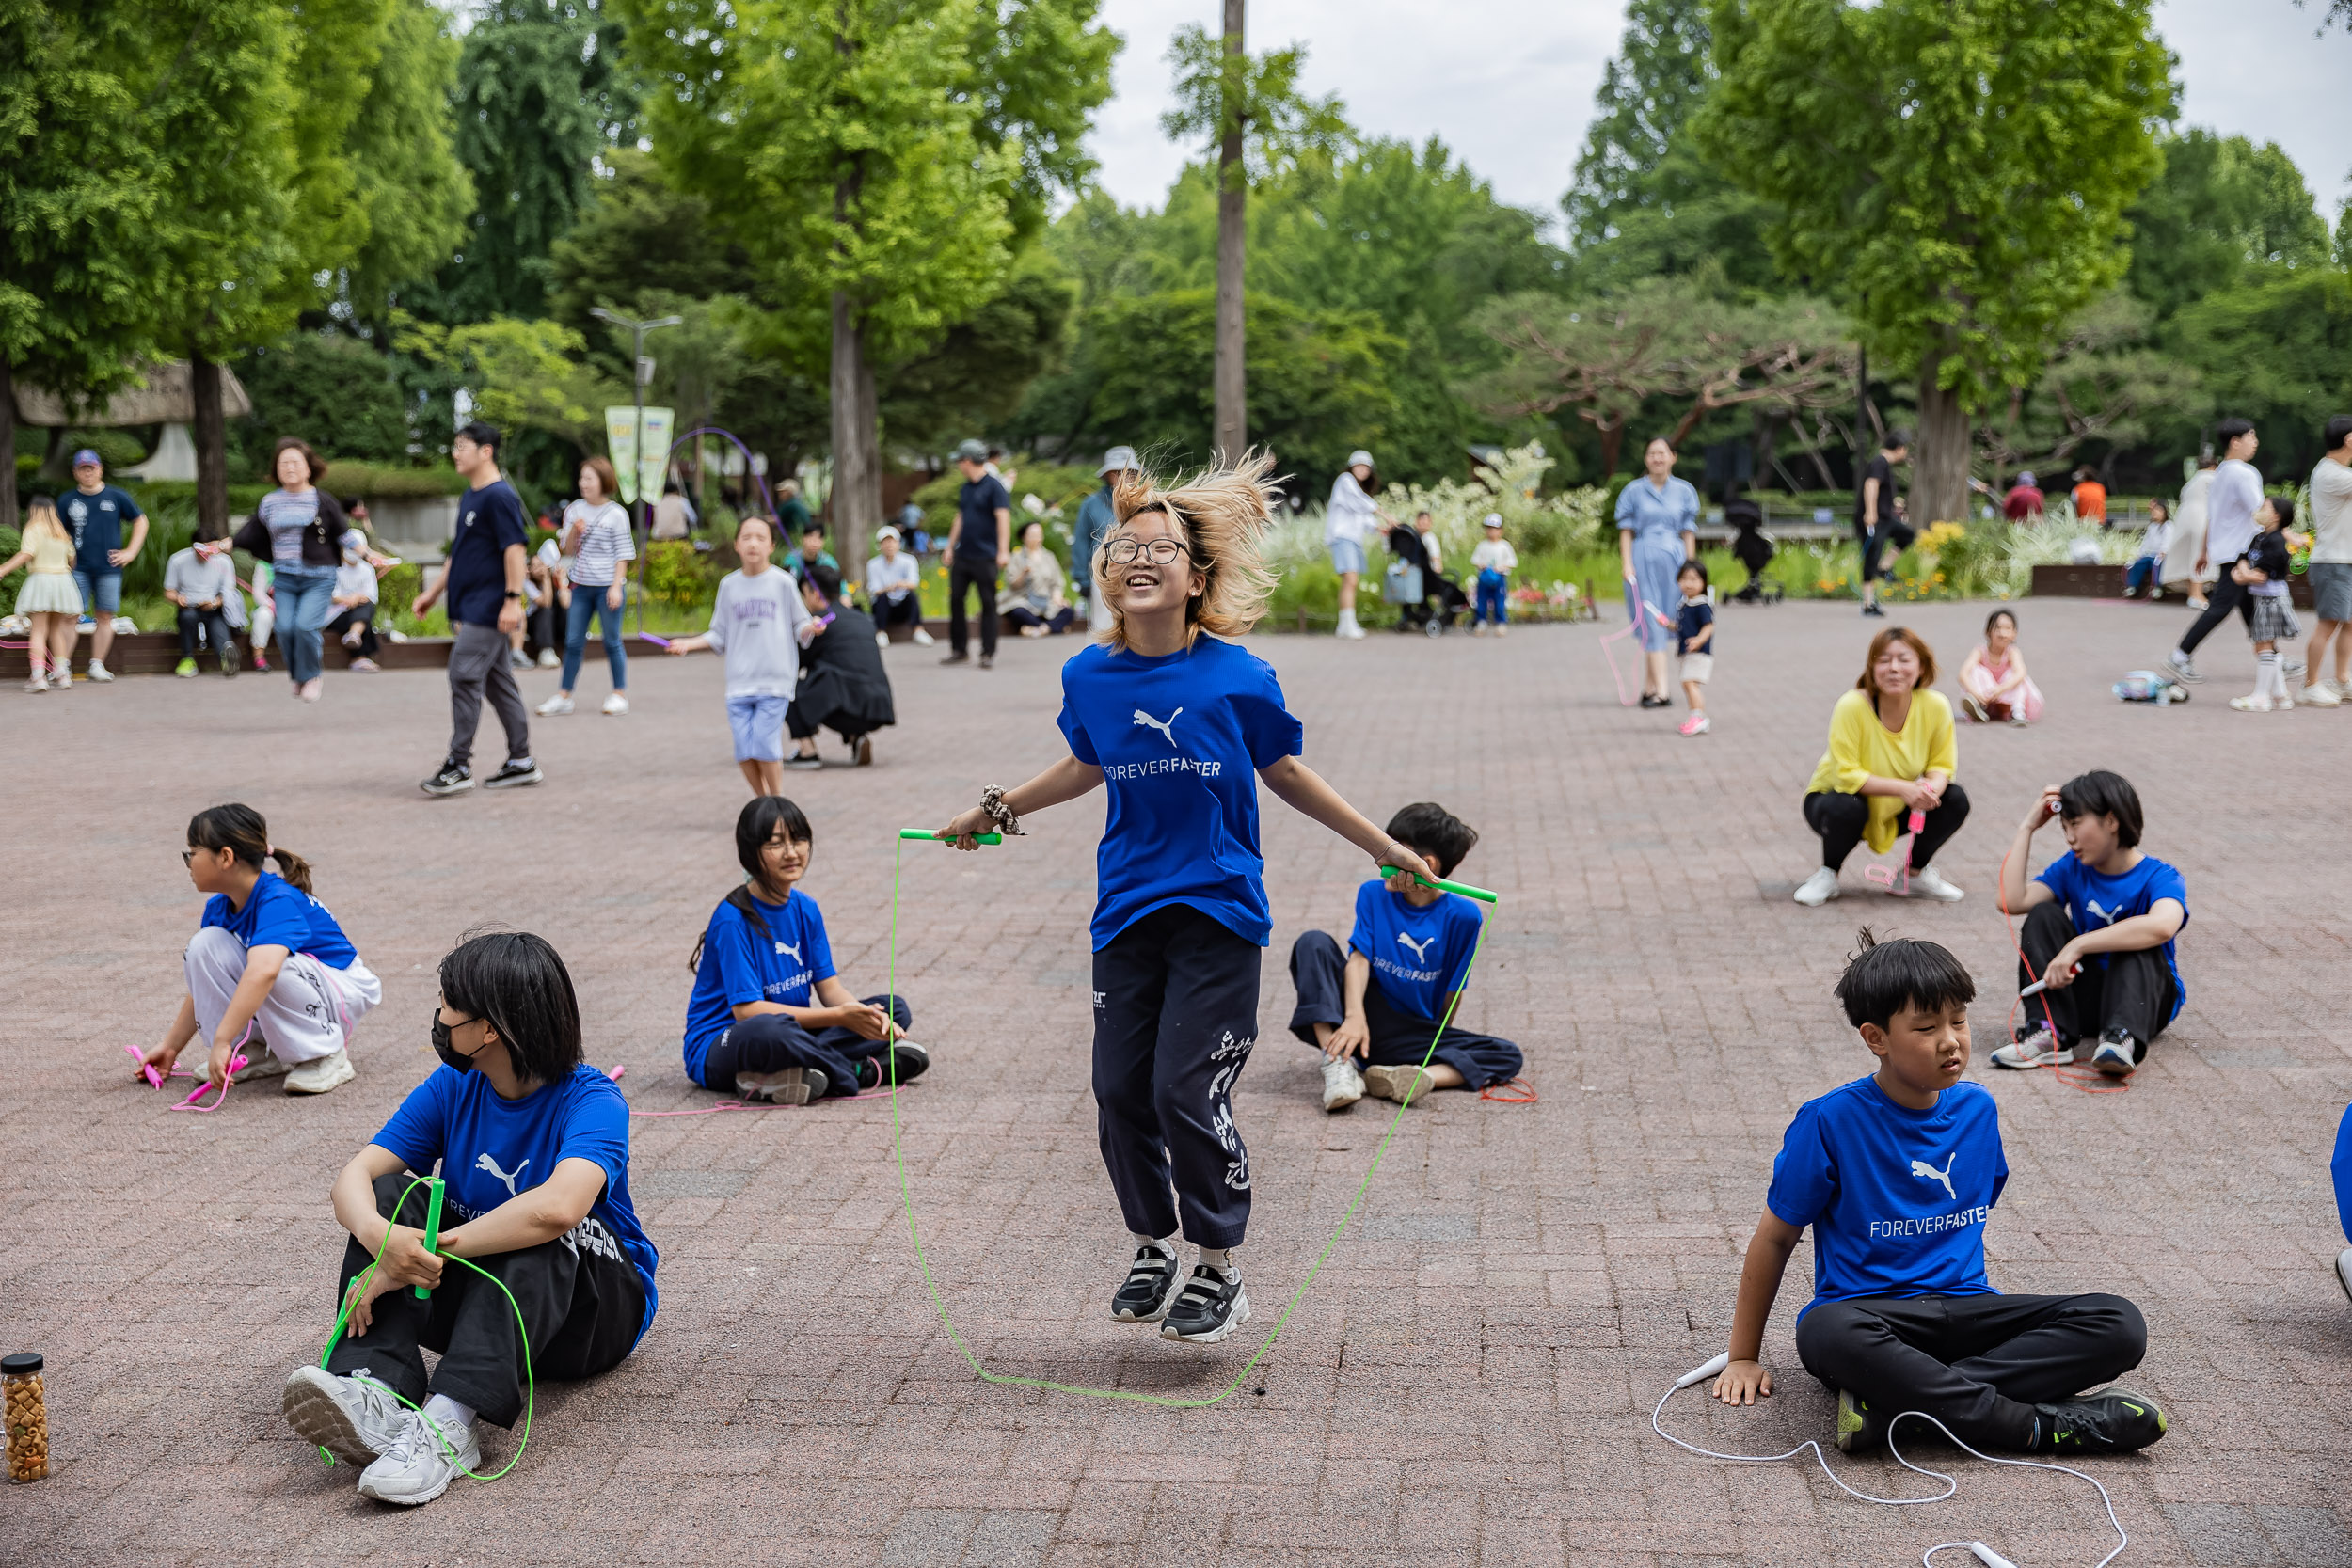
(532, 1144)
(48, 599)
(1402, 971)
(267, 960)
(2100, 924)
(760, 624)
(1176, 720)
(1994, 685)
(1495, 561)
(2263, 570)
(770, 1018)
(1694, 643)
(1898, 1174)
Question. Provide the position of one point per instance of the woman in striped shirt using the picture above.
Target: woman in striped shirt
(598, 538)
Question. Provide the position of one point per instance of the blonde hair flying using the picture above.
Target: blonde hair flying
(42, 517)
(1226, 515)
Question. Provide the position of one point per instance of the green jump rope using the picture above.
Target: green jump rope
(433, 1244)
(906, 1193)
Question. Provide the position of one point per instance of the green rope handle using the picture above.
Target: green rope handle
(359, 1283)
(931, 1283)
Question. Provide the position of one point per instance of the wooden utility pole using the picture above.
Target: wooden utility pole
(1232, 194)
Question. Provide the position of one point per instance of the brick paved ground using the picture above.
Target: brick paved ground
(1468, 1381)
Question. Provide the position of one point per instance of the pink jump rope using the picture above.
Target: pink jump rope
(1898, 882)
(1632, 623)
(155, 1080)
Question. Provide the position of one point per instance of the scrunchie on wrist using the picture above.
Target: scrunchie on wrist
(993, 803)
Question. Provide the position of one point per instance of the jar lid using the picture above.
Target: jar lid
(23, 1364)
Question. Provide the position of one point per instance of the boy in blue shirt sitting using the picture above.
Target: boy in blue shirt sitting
(1405, 960)
(1898, 1174)
(2099, 929)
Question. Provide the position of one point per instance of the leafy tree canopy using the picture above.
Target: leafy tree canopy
(2220, 206)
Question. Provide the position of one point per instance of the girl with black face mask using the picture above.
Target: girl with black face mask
(532, 1144)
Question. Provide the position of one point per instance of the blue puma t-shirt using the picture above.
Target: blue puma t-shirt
(2093, 900)
(1897, 1198)
(1417, 955)
(278, 914)
(1179, 739)
(739, 965)
(493, 1149)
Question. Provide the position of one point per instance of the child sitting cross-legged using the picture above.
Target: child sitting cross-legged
(1898, 1174)
(1404, 968)
(2100, 924)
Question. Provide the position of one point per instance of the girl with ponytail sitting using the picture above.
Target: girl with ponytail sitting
(770, 1018)
(270, 974)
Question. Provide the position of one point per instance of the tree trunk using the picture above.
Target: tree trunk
(1232, 196)
(1611, 443)
(211, 433)
(7, 443)
(856, 501)
(1939, 475)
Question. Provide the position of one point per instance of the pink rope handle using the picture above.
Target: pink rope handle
(1898, 882)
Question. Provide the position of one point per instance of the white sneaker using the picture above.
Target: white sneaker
(1817, 889)
(2038, 1048)
(261, 1062)
(2344, 1269)
(922, 637)
(1407, 1085)
(418, 1465)
(2254, 703)
(616, 703)
(2318, 694)
(357, 1421)
(317, 1077)
(1928, 882)
(1343, 1085)
(881, 640)
(98, 670)
(553, 705)
(549, 660)
(2114, 1057)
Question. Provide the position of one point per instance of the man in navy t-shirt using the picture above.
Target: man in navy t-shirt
(2100, 924)
(488, 554)
(1897, 1175)
(978, 545)
(94, 511)
(1407, 960)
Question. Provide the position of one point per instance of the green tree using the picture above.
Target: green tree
(330, 388)
(638, 232)
(2221, 206)
(880, 161)
(2103, 387)
(1643, 201)
(1957, 170)
(540, 92)
(413, 194)
(2275, 350)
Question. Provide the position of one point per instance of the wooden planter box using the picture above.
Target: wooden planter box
(156, 653)
(2107, 582)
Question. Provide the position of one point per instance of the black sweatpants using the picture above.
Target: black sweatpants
(1979, 1363)
(1839, 818)
(1175, 1014)
(581, 1302)
(216, 634)
(362, 616)
(2115, 990)
(1318, 971)
(2222, 597)
(961, 578)
(770, 1042)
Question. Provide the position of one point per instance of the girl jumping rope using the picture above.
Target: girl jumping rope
(268, 970)
(1176, 720)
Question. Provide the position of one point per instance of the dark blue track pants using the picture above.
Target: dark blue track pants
(1175, 1014)
(770, 1042)
(1318, 969)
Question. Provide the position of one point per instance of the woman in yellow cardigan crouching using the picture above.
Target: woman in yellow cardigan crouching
(1888, 770)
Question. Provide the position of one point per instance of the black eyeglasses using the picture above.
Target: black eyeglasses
(1160, 552)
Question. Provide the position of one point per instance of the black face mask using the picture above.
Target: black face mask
(449, 1053)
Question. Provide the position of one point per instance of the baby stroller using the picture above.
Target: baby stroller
(1752, 548)
(1427, 600)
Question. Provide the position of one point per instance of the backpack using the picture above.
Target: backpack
(2149, 686)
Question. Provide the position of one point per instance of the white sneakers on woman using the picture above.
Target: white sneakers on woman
(1927, 883)
(1817, 889)
(553, 705)
(616, 703)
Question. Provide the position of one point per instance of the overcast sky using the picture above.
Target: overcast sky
(1508, 83)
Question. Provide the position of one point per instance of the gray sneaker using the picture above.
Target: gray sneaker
(2344, 1269)
(1343, 1085)
(420, 1464)
(261, 1062)
(2183, 666)
(317, 1077)
(791, 1085)
(352, 1419)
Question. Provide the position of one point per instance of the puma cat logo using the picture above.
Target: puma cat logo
(1420, 948)
(1920, 1168)
(482, 1161)
(1167, 728)
(789, 951)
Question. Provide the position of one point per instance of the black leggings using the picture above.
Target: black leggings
(1839, 818)
(2132, 991)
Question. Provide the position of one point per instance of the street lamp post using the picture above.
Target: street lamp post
(641, 372)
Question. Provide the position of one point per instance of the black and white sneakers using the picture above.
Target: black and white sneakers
(1150, 1285)
(453, 777)
(513, 773)
(1210, 1306)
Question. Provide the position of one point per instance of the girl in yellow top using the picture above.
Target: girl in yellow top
(48, 598)
(1891, 753)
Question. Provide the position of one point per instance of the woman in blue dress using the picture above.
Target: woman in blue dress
(1657, 519)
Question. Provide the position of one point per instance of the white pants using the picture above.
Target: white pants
(1098, 611)
(310, 1011)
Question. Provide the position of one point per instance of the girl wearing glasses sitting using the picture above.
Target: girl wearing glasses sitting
(1176, 719)
(270, 976)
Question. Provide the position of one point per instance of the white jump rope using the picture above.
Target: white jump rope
(1985, 1555)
